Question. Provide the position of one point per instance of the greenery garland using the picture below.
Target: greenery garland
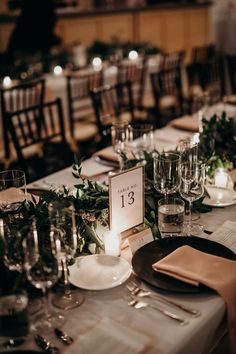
(217, 143)
(91, 199)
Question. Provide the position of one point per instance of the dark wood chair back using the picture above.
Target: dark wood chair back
(111, 103)
(19, 97)
(167, 84)
(231, 65)
(135, 72)
(207, 71)
(80, 107)
(173, 60)
(35, 126)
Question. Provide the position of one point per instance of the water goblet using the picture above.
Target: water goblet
(191, 189)
(12, 190)
(64, 240)
(42, 272)
(166, 172)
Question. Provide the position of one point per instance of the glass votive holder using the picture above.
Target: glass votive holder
(171, 216)
(112, 243)
(221, 177)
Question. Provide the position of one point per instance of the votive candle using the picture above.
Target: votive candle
(112, 243)
(221, 178)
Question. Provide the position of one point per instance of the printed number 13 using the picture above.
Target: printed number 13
(131, 199)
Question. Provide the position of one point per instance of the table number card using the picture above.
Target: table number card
(126, 199)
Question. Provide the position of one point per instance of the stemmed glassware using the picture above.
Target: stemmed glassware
(42, 272)
(188, 149)
(191, 189)
(167, 173)
(64, 238)
(13, 253)
(12, 190)
(140, 140)
(119, 135)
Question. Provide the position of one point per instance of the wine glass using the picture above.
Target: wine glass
(12, 244)
(119, 136)
(191, 189)
(188, 149)
(64, 240)
(140, 140)
(167, 172)
(12, 190)
(13, 256)
(42, 272)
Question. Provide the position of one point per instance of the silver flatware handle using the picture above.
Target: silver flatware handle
(173, 316)
(193, 312)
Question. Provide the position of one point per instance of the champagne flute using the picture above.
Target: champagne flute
(64, 242)
(191, 189)
(167, 173)
(42, 272)
(12, 190)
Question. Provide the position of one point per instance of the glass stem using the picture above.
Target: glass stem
(67, 290)
(190, 218)
(121, 163)
(46, 302)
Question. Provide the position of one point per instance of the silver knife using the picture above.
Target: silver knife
(45, 345)
(64, 337)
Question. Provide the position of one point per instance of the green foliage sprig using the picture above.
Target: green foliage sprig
(217, 144)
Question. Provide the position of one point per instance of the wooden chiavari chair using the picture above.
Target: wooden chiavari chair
(112, 104)
(19, 97)
(135, 72)
(39, 139)
(168, 94)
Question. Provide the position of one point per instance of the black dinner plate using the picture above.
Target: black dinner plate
(154, 251)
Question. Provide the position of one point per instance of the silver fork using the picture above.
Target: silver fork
(137, 291)
(137, 304)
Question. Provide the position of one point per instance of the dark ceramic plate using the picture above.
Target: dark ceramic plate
(154, 251)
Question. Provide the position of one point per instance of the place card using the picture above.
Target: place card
(126, 199)
(140, 239)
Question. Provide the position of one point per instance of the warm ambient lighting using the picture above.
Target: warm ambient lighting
(7, 82)
(97, 63)
(221, 177)
(112, 243)
(133, 55)
(57, 70)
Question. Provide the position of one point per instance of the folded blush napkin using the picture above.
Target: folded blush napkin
(189, 123)
(195, 267)
(108, 154)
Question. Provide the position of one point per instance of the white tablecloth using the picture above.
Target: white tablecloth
(164, 335)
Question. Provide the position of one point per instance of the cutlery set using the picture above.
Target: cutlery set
(41, 342)
(137, 294)
(47, 346)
